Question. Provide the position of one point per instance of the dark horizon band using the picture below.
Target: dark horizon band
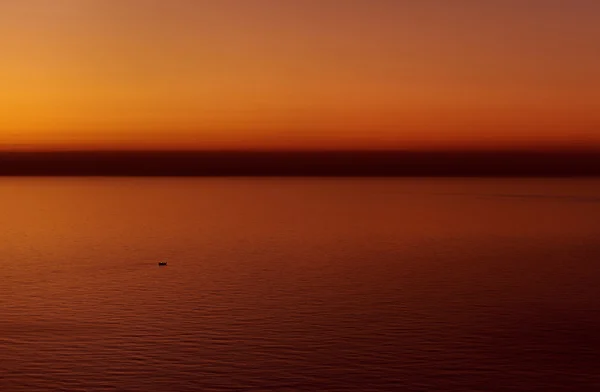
(300, 163)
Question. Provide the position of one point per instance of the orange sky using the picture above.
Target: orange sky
(238, 74)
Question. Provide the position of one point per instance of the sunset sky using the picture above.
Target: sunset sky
(302, 74)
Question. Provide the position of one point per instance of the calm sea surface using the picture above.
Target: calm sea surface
(299, 284)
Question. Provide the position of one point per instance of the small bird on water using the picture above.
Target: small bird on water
(162, 263)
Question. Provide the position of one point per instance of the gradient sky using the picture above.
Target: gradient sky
(238, 74)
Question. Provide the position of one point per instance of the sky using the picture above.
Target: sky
(299, 74)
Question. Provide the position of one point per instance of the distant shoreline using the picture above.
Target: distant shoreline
(302, 163)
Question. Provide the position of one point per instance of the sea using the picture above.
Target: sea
(299, 284)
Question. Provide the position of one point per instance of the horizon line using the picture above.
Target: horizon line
(467, 150)
(557, 163)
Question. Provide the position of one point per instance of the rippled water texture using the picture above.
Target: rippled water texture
(299, 284)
